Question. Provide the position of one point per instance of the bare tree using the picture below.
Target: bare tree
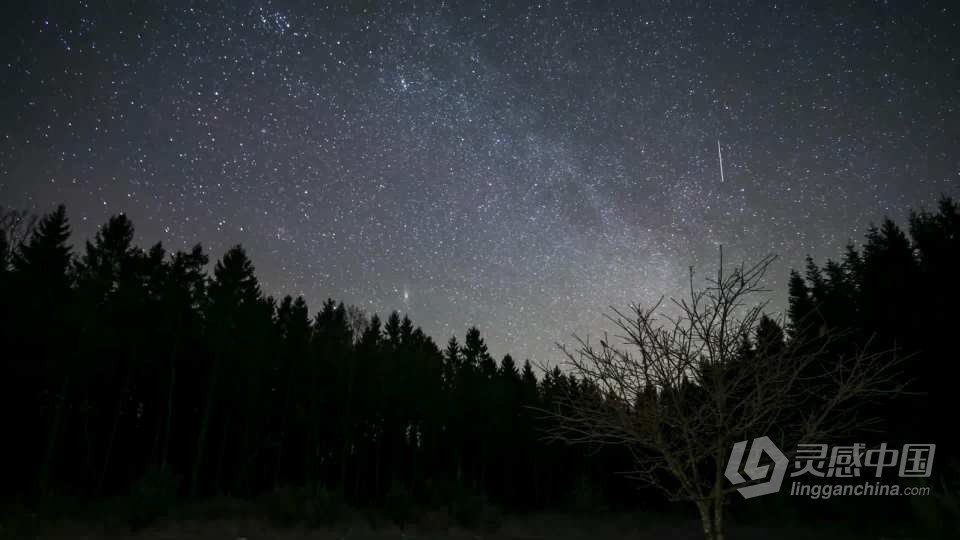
(684, 388)
(15, 228)
(357, 320)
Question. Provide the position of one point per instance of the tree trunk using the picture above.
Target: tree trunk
(720, 534)
(204, 427)
(278, 470)
(201, 442)
(357, 468)
(711, 518)
(155, 447)
(89, 446)
(715, 503)
(376, 468)
(221, 454)
(111, 441)
(344, 451)
(347, 431)
(168, 422)
(52, 437)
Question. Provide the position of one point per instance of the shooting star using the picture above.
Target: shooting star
(720, 154)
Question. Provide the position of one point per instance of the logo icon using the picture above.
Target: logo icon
(754, 470)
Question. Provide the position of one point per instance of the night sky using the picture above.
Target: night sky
(516, 166)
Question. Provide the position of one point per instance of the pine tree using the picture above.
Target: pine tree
(234, 295)
(801, 308)
(183, 300)
(770, 338)
(45, 259)
(41, 269)
(475, 355)
(113, 283)
(392, 329)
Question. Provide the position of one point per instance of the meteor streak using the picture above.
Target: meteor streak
(720, 154)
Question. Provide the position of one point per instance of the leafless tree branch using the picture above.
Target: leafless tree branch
(680, 390)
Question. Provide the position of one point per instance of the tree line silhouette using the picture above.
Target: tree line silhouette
(898, 291)
(122, 362)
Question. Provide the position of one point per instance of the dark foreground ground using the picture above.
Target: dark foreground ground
(530, 527)
(535, 530)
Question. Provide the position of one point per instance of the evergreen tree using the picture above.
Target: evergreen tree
(234, 300)
(770, 338)
(41, 280)
(801, 308)
(45, 259)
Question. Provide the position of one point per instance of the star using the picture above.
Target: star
(520, 169)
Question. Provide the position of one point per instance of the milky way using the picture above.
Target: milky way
(516, 166)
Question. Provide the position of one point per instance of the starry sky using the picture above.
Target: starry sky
(520, 166)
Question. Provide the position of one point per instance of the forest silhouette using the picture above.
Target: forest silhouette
(129, 371)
